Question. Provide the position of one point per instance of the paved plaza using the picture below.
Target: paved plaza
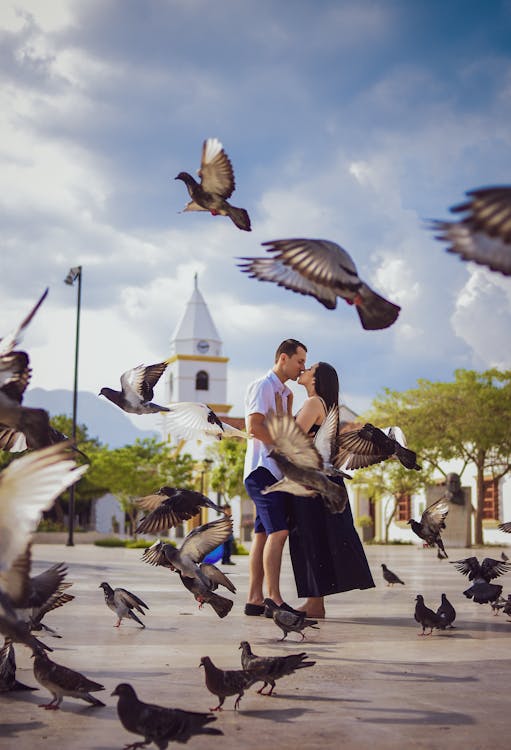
(376, 684)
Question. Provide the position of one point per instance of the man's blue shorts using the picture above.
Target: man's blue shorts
(272, 509)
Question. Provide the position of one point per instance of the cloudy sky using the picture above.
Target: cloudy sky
(349, 120)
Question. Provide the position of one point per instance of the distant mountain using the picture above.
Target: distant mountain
(104, 421)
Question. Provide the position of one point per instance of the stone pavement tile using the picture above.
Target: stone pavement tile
(375, 682)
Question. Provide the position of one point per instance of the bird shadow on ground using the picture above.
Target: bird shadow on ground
(380, 621)
(101, 674)
(11, 730)
(283, 715)
(416, 716)
(425, 677)
(322, 698)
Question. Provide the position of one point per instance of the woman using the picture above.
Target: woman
(326, 551)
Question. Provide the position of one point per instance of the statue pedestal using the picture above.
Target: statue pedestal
(457, 532)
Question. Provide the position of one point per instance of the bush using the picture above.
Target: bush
(238, 548)
(110, 541)
(113, 541)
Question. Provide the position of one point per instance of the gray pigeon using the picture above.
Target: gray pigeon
(482, 591)
(390, 577)
(137, 389)
(8, 681)
(301, 463)
(271, 668)
(324, 270)
(216, 185)
(62, 681)
(446, 613)
(498, 604)
(156, 723)
(425, 616)
(123, 602)
(430, 526)
(226, 682)
(204, 591)
(483, 234)
(292, 622)
(169, 507)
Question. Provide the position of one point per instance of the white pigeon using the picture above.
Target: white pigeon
(29, 486)
(191, 420)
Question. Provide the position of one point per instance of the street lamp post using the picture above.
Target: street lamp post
(73, 275)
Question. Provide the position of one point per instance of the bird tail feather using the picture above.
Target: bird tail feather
(375, 312)
(240, 217)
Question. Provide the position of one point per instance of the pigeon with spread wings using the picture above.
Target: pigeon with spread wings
(194, 421)
(369, 445)
(324, 270)
(483, 234)
(137, 389)
(430, 526)
(482, 591)
(216, 185)
(170, 506)
(301, 463)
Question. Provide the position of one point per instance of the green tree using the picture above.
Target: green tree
(227, 474)
(466, 419)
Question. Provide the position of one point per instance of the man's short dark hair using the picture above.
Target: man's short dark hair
(289, 347)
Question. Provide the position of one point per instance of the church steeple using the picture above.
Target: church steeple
(197, 371)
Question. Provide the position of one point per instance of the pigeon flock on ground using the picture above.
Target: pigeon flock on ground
(49, 465)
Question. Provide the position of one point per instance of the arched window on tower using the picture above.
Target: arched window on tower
(202, 381)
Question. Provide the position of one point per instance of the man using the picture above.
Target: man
(270, 527)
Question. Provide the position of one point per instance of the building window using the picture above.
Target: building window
(491, 499)
(202, 381)
(404, 507)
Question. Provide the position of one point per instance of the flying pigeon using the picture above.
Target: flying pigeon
(201, 579)
(194, 421)
(446, 613)
(156, 723)
(170, 506)
(324, 270)
(505, 527)
(425, 616)
(8, 681)
(482, 591)
(137, 389)
(390, 577)
(483, 234)
(292, 622)
(271, 668)
(216, 185)
(123, 602)
(14, 337)
(61, 681)
(369, 445)
(431, 524)
(296, 456)
(224, 683)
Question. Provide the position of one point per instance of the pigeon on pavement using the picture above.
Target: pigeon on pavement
(62, 681)
(431, 524)
(194, 421)
(369, 445)
(324, 270)
(425, 616)
(170, 506)
(137, 389)
(483, 234)
(446, 613)
(216, 185)
(123, 602)
(14, 337)
(271, 668)
(8, 681)
(498, 604)
(226, 682)
(292, 622)
(482, 591)
(156, 723)
(301, 463)
(390, 577)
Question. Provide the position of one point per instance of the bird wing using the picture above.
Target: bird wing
(325, 438)
(506, 526)
(434, 516)
(217, 576)
(131, 600)
(290, 440)
(138, 383)
(491, 568)
(191, 420)
(273, 269)
(150, 502)
(469, 567)
(16, 375)
(155, 554)
(357, 449)
(47, 583)
(28, 486)
(216, 172)
(289, 485)
(14, 337)
(12, 440)
(15, 581)
(321, 261)
(204, 539)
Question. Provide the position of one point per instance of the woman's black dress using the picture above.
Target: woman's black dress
(326, 552)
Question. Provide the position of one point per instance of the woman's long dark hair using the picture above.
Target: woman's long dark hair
(326, 383)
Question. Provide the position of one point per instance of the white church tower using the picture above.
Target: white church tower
(197, 371)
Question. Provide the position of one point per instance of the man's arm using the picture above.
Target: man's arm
(257, 428)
